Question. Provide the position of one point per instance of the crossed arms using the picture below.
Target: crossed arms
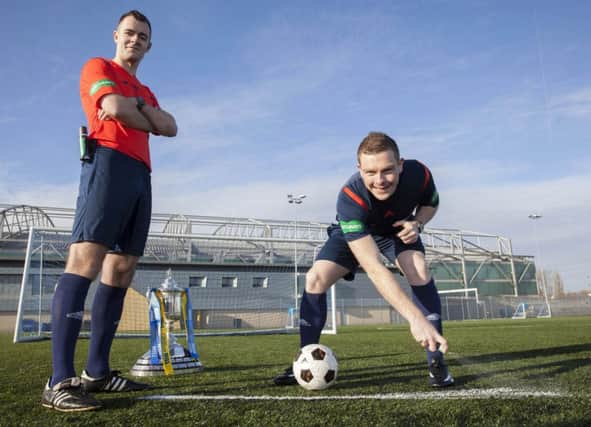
(149, 119)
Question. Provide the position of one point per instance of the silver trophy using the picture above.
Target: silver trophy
(168, 304)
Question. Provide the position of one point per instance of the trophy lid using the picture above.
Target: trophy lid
(169, 283)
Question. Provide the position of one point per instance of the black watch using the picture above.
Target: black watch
(421, 226)
(141, 103)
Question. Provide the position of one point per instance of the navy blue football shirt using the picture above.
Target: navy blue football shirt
(360, 214)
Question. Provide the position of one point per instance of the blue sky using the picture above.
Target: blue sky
(273, 97)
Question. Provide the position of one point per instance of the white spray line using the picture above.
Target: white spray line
(491, 393)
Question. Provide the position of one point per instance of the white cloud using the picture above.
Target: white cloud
(574, 104)
(15, 192)
(507, 202)
(56, 195)
(217, 119)
(561, 236)
(261, 199)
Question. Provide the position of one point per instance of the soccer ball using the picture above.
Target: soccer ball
(315, 367)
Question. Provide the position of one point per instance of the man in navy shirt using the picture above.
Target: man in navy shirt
(381, 209)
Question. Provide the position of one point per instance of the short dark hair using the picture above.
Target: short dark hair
(137, 15)
(377, 142)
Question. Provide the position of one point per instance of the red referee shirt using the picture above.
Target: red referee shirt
(100, 77)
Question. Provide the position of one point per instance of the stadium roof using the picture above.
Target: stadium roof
(209, 239)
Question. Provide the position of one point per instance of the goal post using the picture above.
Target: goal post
(331, 318)
(28, 325)
(226, 297)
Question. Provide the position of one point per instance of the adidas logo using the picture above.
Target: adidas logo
(304, 322)
(75, 315)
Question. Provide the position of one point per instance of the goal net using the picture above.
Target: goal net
(525, 310)
(233, 294)
(461, 304)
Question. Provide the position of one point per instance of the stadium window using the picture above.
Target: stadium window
(197, 281)
(229, 282)
(10, 279)
(10, 283)
(260, 282)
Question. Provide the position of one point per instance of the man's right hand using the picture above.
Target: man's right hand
(427, 336)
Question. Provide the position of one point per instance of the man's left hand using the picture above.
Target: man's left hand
(102, 115)
(410, 231)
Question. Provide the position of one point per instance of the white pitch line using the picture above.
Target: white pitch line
(491, 393)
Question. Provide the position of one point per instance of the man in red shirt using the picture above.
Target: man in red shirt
(112, 220)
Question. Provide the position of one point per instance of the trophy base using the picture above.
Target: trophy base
(182, 363)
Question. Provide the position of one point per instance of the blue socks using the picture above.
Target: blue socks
(67, 312)
(312, 318)
(106, 313)
(427, 300)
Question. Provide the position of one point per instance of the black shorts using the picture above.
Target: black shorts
(114, 203)
(336, 249)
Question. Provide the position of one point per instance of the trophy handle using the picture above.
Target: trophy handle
(188, 319)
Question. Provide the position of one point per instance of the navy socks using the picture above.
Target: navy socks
(107, 308)
(67, 312)
(312, 318)
(427, 300)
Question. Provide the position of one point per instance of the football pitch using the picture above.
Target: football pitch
(508, 373)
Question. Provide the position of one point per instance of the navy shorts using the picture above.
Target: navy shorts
(336, 249)
(114, 204)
